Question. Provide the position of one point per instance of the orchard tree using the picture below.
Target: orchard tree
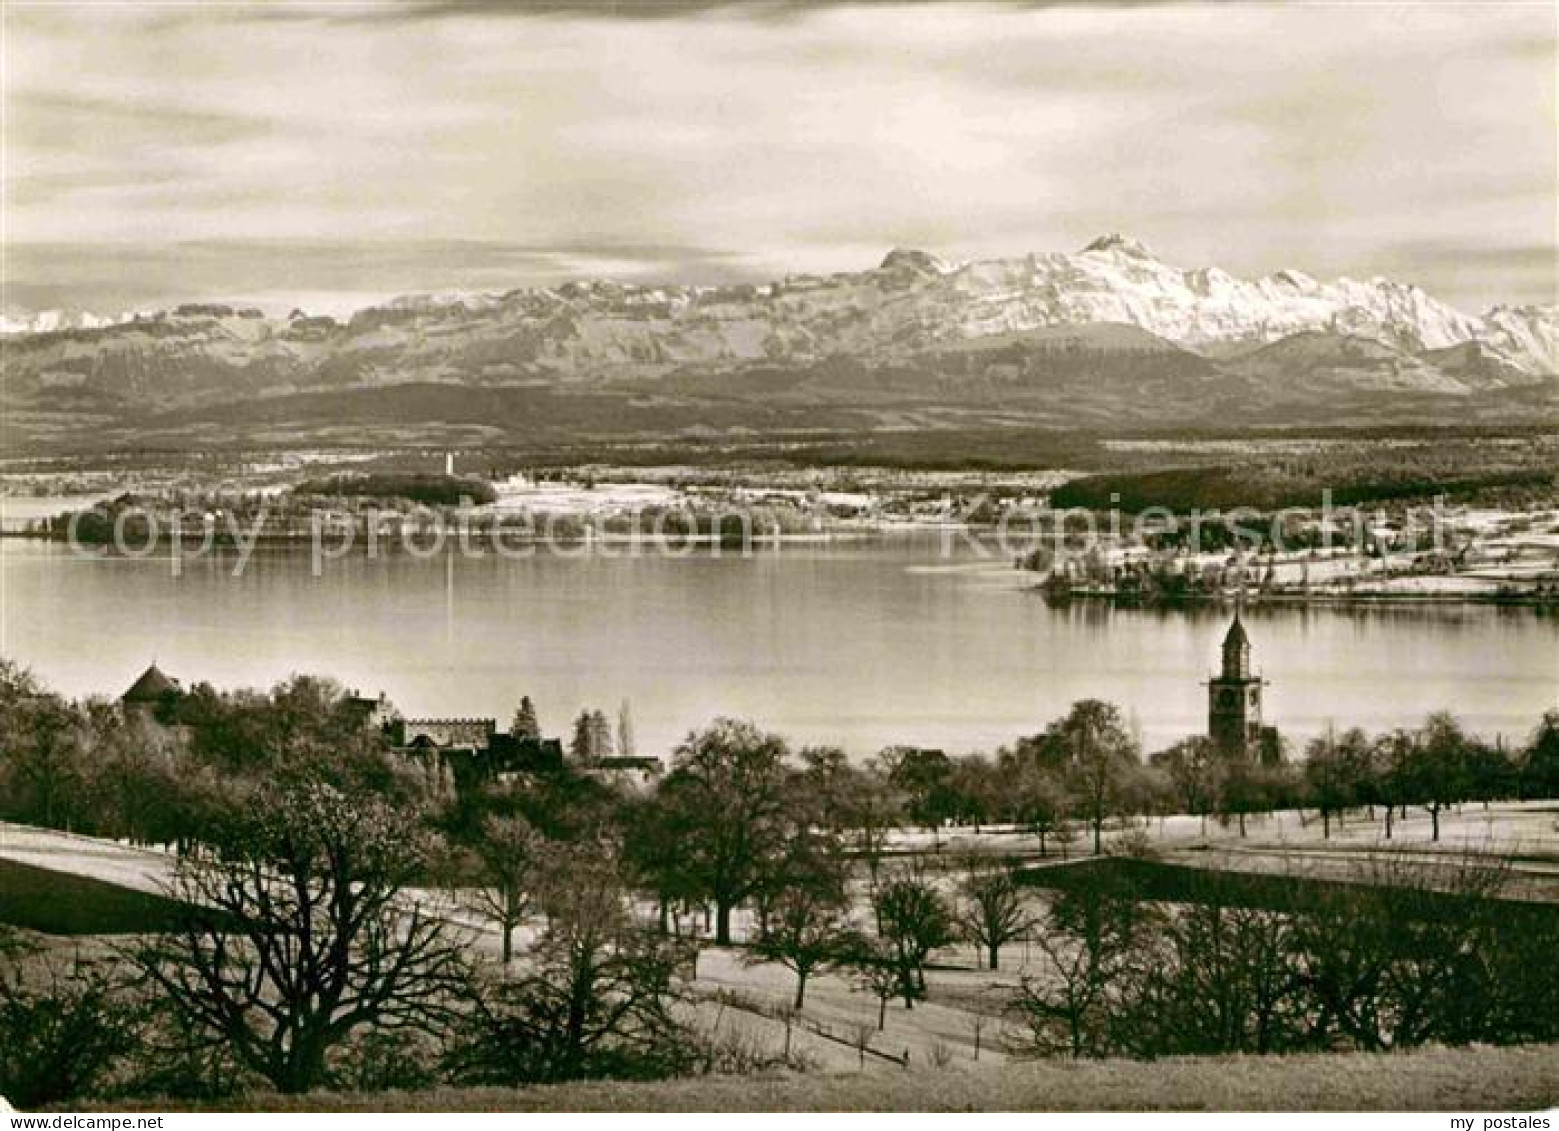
(1437, 767)
(653, 859)
(1192, 769)
(876, 968)
(991, 909)
(1391, 763)
(300, 933)
(728, 797)
(1102, 761)
(871, 810)
(1245, 787)
(506, 852)
(1331, 775)
(978, 794)
(914, 921)
(807, 925)
(826, 785)
(1039, 803)
(1490, 771)
(927, 781)
(596, 997)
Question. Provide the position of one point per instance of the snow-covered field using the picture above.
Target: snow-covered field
(1507, 827)
(113, 862)
(745, 1003)
(520, 495)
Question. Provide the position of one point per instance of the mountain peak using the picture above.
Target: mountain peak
(922, 261)
(1124, 244)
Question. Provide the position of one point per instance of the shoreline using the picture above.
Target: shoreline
(1505, 600)
(489, 537)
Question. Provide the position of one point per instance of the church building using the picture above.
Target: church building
(1234, 703)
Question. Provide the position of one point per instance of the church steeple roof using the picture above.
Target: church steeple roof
(151, 687)
(1236, 651)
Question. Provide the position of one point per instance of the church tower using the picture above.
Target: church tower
(1234, 698)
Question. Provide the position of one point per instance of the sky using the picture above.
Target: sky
(330, 155)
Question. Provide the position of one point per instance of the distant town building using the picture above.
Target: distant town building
(371, 713)
(638, 771)
(444, 734)
(1234, 703)
(467, 752)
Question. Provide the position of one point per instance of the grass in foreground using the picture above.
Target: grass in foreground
(1469, 1079)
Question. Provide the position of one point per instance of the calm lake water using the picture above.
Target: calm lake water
(857, 644)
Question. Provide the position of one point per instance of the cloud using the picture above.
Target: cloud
(787, 136)
(425, 11)
(327, 276)
(41, 118)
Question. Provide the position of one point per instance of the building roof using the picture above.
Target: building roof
(151, 687)
(1236, 634)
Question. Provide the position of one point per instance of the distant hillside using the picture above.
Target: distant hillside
(1108, 335)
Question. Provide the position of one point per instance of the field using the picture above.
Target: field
(961, 1024)
(60, 904)
(1475, 1079)
(950, 1052)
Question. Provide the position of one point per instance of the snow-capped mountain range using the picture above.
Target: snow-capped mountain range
(913, 300)
(1283, 335)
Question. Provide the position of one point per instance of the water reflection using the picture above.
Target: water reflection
(860, 644)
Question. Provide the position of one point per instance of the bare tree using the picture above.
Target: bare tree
(1436, 770)
(597, 999)
(301, 933)
(1390, 762)
(806, 932)
(1032, 782)
(63, 1027)
(730, 807)
(1223, 981)
(506, 851)
(1101, 759)
(43, 769)
(1090, 945)
(915, 921)
(805, 921)
(876, 969)
(992, 911)
(1400, 959)
(1192, 768)
(1334, 772)
(871, 810)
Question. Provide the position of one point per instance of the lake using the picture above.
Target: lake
(859, 644)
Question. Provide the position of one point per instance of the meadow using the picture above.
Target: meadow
(1477, 1079)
